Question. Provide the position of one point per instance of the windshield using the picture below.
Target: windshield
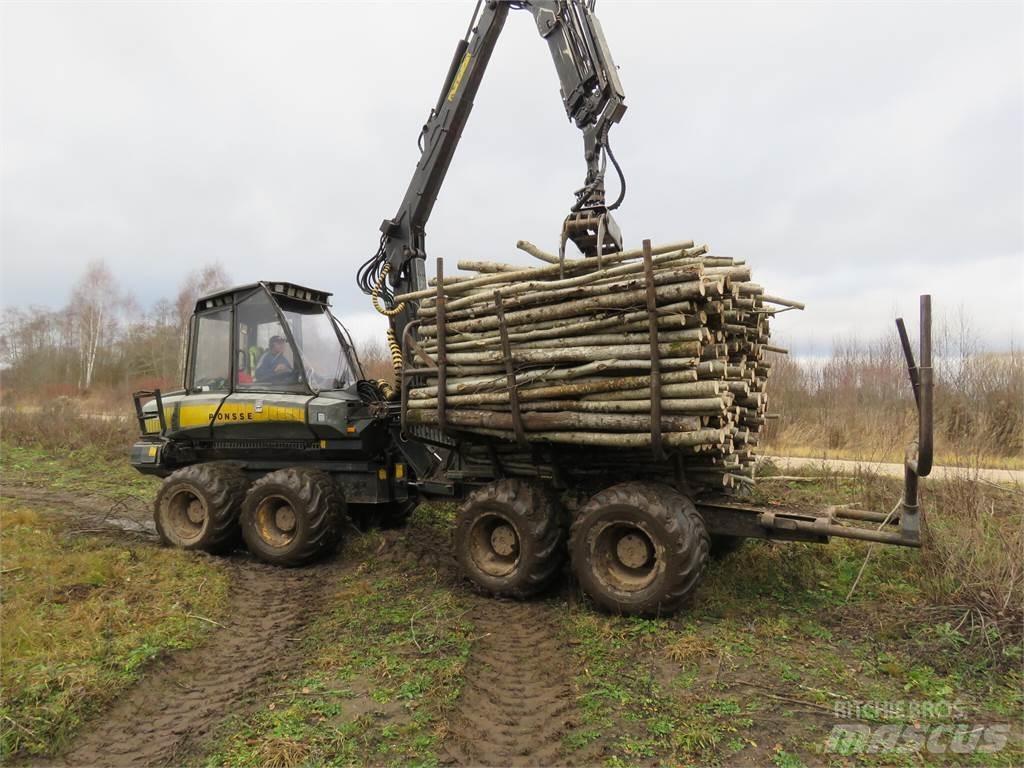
(323, 354)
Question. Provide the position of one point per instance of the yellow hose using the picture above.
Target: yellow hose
(396, 354)
(375, 295)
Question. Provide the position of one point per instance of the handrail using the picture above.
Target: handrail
(141, 416)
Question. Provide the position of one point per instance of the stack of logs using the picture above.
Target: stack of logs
(660, 348)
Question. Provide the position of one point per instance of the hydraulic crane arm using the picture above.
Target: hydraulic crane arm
(593, 100)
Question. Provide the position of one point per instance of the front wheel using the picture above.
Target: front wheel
(510, 538)
(639, 548)
(197, 507)
(292, 516)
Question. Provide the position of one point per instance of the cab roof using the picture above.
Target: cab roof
(227, 296)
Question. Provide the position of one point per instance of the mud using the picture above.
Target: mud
(517, 699)
(98, 512)
(166, 718)
(516, 705)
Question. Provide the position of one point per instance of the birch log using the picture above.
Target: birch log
(577, 338)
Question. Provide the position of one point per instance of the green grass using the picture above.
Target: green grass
(75, 470)
(81, 618)
(385, 666)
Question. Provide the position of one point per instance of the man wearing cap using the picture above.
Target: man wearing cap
(274, 367)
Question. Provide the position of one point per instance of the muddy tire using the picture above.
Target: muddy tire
(198, 506)
(510, 538)
(293, 516)
(639, 549)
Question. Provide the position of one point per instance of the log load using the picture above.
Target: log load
(660, 348)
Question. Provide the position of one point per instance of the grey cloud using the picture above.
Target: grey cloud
(855, 154)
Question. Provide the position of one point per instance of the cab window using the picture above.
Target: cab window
(328, 362)
(266, 360)
(212, 356)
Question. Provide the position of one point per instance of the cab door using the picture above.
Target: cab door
(208, 376)
(269, 395)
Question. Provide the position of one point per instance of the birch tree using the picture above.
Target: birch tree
(94, 304)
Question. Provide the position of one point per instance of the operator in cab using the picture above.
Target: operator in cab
(274, 366)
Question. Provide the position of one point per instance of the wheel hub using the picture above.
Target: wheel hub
(503, 540)
(276, 521)
(624, 556)
(494, 544)
(195, 512)
(284, 519)
(185, 516)
(633, 550)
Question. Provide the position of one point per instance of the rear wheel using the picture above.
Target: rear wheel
(510, 538)
(292, 516)
(198, 507)
(639, 548)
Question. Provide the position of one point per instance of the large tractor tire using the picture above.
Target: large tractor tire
(197, 507)
(510, 538)
(293, 516)
(639, 549)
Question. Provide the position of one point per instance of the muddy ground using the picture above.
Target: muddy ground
(517, 699)
(535, 688)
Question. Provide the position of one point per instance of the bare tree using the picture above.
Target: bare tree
(94, 305)
(197, 283)
(150, 344)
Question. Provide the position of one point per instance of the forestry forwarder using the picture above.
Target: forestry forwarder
(277, 435)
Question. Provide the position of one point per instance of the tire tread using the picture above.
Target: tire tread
(685, 536)
(224, 486)
(324, 504)
(536, 509)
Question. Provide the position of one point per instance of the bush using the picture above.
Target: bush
(60, 427)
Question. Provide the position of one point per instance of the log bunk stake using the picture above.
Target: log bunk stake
(442, 354)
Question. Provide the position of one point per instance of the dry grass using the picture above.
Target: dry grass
(689, 649)
(858, 403)
(64, 425)
(970, 571)
(974, 554)
(282, 752)
(81, 617)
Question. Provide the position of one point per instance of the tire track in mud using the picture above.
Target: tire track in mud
(171, 711)
(128, 515)
(517, 697)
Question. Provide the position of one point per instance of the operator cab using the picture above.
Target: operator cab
(268, 337)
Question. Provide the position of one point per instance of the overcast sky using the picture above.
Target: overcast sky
(856, 154)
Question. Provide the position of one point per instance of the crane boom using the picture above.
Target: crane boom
(593, 100)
